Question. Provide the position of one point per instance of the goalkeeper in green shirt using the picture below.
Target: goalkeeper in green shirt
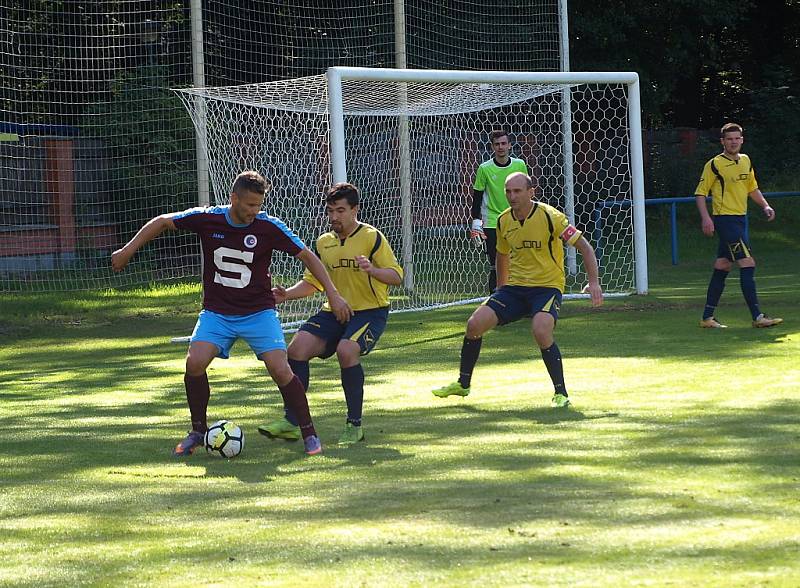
(489, 189)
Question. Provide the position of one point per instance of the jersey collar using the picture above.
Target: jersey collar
(502, 164)
(230, 220)
(357, 229)
(530, 214)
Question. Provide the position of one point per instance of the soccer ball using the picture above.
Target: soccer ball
(224, 439)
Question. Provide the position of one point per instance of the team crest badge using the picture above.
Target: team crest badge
(250, 241)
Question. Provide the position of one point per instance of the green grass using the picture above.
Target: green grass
(677, 465)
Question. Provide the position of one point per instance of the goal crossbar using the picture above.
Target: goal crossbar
(476, 77)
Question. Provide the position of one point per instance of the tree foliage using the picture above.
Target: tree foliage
(700, 61)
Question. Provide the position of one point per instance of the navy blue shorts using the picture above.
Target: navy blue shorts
(733, 242)
(365, 328)
(511, 303)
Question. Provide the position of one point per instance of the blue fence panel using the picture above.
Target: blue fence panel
(673, 214)
(673, 218)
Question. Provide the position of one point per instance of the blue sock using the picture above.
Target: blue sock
(301, 370)
(715, 288)
(552, 359)
(353, 384)
(748, 284)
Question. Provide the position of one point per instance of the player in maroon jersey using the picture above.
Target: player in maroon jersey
(237, 242)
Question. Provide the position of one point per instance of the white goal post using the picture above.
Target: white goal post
(338, 75)
(411, 141)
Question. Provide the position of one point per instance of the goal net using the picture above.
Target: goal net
(93, 143)
(411, 140)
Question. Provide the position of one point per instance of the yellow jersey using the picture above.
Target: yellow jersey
(361, 290)
(729, 183)
(536, 255)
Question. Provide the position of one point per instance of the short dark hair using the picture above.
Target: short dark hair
(730, 128)
(250, 181)
(496, 134)
(343, 190)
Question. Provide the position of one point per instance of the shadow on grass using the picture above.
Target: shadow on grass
(475, 466)
(514, 473)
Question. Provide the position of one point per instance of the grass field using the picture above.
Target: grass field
(677, 466)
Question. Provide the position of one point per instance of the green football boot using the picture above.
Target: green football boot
(351, 435)
(454, 389)
(559, 401)
(280, 429)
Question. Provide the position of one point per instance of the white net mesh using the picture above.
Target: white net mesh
(93, 144)
(266, 40)
(282, 130)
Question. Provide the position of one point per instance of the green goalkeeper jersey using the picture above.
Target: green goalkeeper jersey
(491, 179)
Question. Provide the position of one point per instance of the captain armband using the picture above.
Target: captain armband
(568, 233)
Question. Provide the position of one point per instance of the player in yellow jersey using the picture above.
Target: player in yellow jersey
(530, 281)
(362, 264)
(729, 179)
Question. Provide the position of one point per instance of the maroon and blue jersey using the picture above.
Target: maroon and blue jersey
(237, 258)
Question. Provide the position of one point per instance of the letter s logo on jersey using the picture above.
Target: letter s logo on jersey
(243, 272)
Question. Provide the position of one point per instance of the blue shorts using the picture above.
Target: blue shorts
(511, 303)
(261, 330)
(733, 242)
(365, 327)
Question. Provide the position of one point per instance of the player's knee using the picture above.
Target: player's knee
(746, 262)
(543, 326)
(476, 327)
(297, 353)
(195, 366)
(544, 338)
(348, 352)
(280, 372)
(723, 264)
(543, 333)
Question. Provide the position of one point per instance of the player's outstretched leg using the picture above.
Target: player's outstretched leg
(287, 427)
(294, 397)
(198, 393)
(353, 385)
(481, 321)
